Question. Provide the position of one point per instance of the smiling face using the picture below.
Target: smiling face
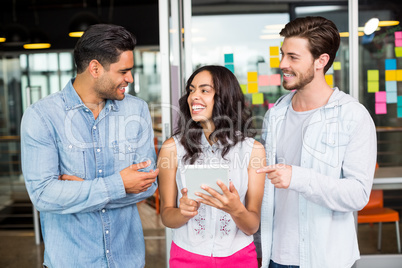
(297, 63)
(201, 97)
(111, 84)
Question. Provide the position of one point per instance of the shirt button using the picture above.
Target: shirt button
(107, 231)
(86, 110)
(107, 251)
(94, 127)
(100, 170)
(103, 210)
(98, 150)
(70, 146)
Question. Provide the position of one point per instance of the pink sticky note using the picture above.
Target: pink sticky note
(381, 96)
(270, 105)
(398, 35)
(275, 80)
(380, 108)
(398, 42)
(263, 80)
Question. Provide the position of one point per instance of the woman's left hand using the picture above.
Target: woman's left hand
(229, 201)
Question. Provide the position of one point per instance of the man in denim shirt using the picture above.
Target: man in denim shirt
(88, 158)
(321, 152)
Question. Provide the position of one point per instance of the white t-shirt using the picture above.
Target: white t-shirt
(212, 232)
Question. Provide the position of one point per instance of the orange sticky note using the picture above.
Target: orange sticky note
(252, 88)
(398, 75)
(329, 78)
(252, 77)
(390, 75)
(274, 62)
(274, 51)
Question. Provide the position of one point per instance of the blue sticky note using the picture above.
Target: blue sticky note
(391, 97)
(399, 111)
(229, 58)
(399, 101)
(231, 67)
(390, 86)
(390, 64)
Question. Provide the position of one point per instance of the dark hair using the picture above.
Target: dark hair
(104, 43)
(321, 33)
(231, 117)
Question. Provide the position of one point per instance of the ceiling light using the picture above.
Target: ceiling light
(385, 23)
(38, 40)
(371, 25)
(80, 22)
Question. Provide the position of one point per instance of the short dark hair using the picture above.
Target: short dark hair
(230, 115)
(104, 43)
(321, 34)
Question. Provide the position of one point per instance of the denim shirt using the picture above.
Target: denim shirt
(90, 223)
(334, 180)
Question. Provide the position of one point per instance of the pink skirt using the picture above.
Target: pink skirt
(180, 258)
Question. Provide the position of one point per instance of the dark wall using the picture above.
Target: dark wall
(142, 20)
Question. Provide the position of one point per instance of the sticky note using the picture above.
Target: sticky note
(274, 51)
(373, 75)
(263, 68)
(270, 105)
(380, 108)
(329, 78)
(398, 42)
(257, 98)
(390, 64)
(274, 62)
(398, 35)
(390, 86)
(398, 52)
(399, 101)
(392, 97)
(252, 88)
(263, 80)
(337, 65)
(398, 75)
(390, 75)
(399, 111)
(243, 88)
(275, 80)
(381, 96)
(373, 86)
(252, 77)
(230, 67)
(229, 58)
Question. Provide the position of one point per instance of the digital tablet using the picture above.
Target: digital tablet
(196, 175)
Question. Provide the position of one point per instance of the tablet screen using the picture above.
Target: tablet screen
(196, 175)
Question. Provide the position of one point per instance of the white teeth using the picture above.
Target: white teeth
(288, 75)
(197, 107)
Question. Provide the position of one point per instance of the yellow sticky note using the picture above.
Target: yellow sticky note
(398, 52)
(252, 77)
(252, 87)
(390, 75)
(337, 65)
(398, 75)
(257, 98)
(274, 51)
(373, 86)
(274, 62)
(243, 88)
(373, 75)
(329, 78)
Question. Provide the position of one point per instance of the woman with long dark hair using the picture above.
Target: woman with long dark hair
(215, 126)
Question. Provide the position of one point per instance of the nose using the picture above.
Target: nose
(283, 64)
(194, 95)
(129, 77)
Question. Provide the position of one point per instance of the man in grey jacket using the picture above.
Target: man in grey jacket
(321, 155)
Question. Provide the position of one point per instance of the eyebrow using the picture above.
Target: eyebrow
(126, 69)
(290, 53)
(203, 85)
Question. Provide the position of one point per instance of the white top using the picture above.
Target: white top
(212, 232)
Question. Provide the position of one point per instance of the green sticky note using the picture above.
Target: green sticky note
(337, 65)
(398, 52)
(243, 88)
(257, 98)
(373, 75)
(373, 86)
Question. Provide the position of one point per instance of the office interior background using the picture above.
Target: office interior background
(174, 37)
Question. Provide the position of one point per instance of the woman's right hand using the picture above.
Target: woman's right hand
(188, 207)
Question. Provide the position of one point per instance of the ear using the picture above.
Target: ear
(322, 61)
(95, 68)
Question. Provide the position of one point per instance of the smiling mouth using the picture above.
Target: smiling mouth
(288, 75)
(197, 108)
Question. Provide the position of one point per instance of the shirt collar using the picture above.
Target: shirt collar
(73, 101)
